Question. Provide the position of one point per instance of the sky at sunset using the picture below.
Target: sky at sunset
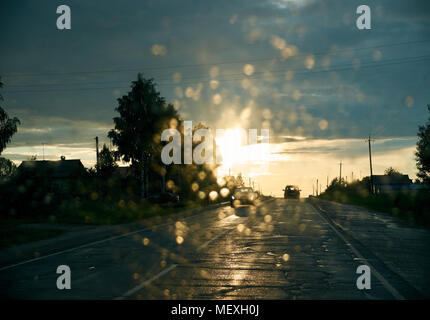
(299, 68)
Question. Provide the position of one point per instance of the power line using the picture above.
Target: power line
(256, 77)
(14, 74)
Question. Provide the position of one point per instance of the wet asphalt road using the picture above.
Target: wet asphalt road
(283, 249)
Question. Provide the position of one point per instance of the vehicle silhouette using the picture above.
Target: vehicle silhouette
(291, 192)
(243, 195)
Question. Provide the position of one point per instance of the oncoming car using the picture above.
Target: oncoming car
(243, 195)
(291, 192)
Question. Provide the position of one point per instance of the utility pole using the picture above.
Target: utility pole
(43, 147)
(327, 181)
(97, 151)
(317, 187)
(340, 172)
(372, 187)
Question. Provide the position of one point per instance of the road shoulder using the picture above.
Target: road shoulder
(392, 244)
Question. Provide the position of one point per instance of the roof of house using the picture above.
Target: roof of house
(55, 169)
(391, 179)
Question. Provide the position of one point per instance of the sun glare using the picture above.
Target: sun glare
(230, 146)
(234, 149)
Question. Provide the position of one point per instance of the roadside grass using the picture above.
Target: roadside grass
(87, 212)
(413, 208)
(16, 231)
(11, 232)
(99, 213)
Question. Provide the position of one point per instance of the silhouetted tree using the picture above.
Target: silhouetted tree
(423, 151)
(7, 168)
(233, 182)
(239, 180)
(107, 164)
(8, 126)
(143, 115)
(188, 176)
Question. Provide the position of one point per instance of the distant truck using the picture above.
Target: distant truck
(291, 192)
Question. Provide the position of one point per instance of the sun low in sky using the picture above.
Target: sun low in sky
(235, 148)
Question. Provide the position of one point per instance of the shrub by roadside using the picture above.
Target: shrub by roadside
(412, 206)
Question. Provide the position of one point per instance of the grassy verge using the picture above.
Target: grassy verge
(414, 208)
(83, 213)
(99, 213)
(12, 233)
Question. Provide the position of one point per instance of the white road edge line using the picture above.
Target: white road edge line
(145, 283)
(384, 282)
(90, 244)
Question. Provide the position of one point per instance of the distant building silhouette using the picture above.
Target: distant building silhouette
(391, 183)
(59, 173)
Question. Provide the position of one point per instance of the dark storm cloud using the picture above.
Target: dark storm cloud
(352, 148)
